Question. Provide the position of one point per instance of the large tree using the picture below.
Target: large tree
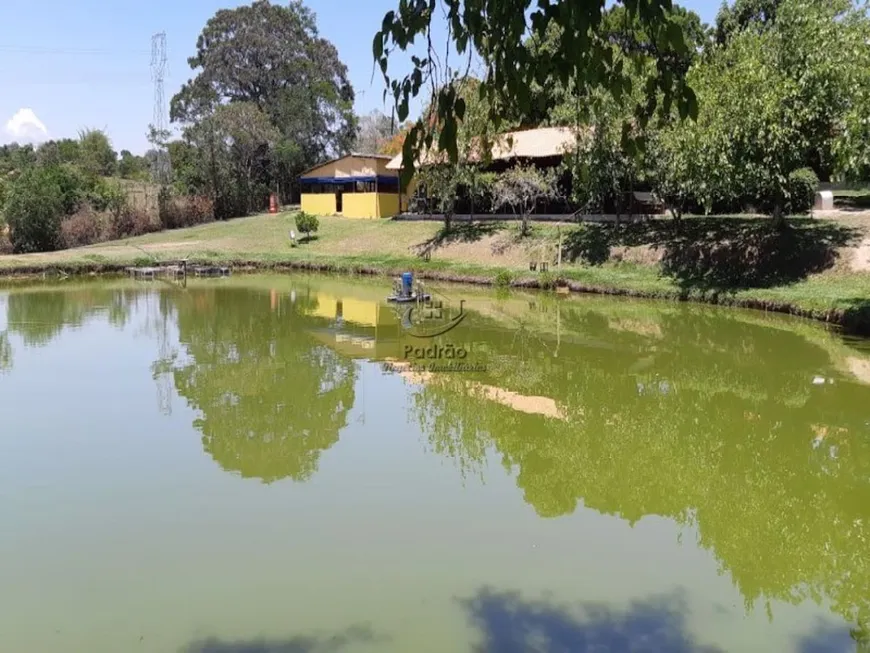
(771, 101)
(273, 58)
(607, 160)
(497, 32)
(246, 131)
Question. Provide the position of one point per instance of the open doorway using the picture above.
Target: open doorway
(338, 201)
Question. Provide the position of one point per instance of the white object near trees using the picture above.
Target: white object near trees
(824, 201)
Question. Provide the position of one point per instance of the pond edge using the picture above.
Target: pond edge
(850, 321)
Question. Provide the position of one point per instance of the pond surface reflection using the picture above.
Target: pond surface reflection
(262, 463)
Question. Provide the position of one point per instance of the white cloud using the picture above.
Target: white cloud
(26, 127)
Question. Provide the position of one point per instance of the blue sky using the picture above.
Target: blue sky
(86, 64)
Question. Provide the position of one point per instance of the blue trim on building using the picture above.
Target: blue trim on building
(381, 179)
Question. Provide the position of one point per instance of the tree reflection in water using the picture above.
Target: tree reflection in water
(722, 422)
(271, 399)
(715, 423)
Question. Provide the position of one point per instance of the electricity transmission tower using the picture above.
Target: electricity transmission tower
(160, 167)
(158, 324)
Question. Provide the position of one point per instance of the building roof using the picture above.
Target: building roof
(352, 155)
(538, 143)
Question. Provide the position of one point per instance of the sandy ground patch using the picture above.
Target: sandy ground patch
(861, 257)
(494, 249)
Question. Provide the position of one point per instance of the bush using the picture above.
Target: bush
(134, 222)
(802, 187)
(549, 280)
(200, 209)
(504, 278)
(34, 209)
(107, 196)
(307, 223)
(85, 227)
(185, 211)
(74, 187)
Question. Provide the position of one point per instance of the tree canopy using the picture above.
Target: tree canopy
(728, 439)
(755, 15)
(772, 101)
(497, 32)
(273, 59)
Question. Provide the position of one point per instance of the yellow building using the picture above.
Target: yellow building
(355, 186)
(369, 328)
(358, 311)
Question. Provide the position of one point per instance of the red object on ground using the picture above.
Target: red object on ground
(273, 203)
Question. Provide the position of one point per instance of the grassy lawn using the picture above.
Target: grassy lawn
(260, 237)
(734, 260)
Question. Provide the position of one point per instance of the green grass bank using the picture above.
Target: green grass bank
(817, 268)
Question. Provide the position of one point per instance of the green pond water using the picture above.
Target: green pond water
(269, 464)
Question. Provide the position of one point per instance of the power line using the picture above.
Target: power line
(123, 79)
(27, 49)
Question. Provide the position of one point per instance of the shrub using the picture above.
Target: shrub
(307, 223)
(802, 187)
(185, 211)
(33, 211)
(74, 187)
(504, 278)
(134, 222)
(107, 196)
(200, 209)
(85, 227)
(548, 280)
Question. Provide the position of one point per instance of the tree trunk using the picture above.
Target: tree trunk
(213, 171)
(778, 216)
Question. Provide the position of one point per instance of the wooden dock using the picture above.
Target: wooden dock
(178, 271)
